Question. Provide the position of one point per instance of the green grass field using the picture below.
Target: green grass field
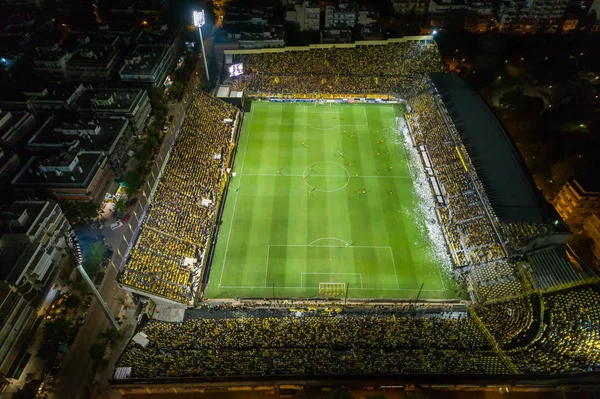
(323, 194)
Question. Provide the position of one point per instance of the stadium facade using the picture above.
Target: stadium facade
(533, 317)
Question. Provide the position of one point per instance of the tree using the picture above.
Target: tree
(143, 156)
(110, 336)
(133, 180)
(73, 301)
(79, 286)
(120, 206)
(97, 350)
(93, 257)
(56, 332)
(338, 393)
(77, 211)
(377, 396)
(176, 89)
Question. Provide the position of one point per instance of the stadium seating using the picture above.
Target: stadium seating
(376, 68)
(348, 344)
(178, 224)
(570, 342)
(507, 320)
(369, 343)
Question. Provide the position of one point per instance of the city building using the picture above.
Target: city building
(127, 31)
(51, 62)
(33, 251)
(531, 15)
(91, 63)
(339, 16)
(112, 136)
(473, 16)
(80, 176)
(61, 97)
(577, 201)
(592, 227)
(148, 64)
(307, 15)
(368, 20)
(132, 104)
(14, 126)
(406, 7)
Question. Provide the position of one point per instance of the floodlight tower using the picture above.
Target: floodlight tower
(198, 23)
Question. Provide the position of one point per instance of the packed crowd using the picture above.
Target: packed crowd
(467, 226)
(179, 221)
(509, 320)
(570, 342)
(343, 344)
(376, 342)
(360, 69)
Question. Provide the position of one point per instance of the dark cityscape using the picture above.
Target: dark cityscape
(334, 199)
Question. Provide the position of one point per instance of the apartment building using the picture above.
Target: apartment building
(577, 201)
(148, 65)
(69, 175)
(307, 15)
(33, 250)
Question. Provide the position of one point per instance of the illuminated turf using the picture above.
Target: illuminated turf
(323, 194)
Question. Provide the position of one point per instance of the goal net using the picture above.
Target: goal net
(332, 289)
(322, 102)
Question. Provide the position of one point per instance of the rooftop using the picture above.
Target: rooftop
(109, 99)
(499, 166)
(93, 54)
(11, 217)
(158, 34)
(85, 165)
(91, 134)
(144, 59)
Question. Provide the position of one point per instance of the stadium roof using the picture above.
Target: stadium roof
(499, 165)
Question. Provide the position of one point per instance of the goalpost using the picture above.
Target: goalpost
(332, 289)
(322, 102)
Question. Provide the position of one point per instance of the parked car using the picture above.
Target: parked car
(126, 218)
(98, 279)
(116, 225)
(81, 319)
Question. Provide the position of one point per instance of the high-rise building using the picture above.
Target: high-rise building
(578, 200)
(33, 250)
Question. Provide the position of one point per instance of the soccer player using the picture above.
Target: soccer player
(378, 154)
(279, 170)
(390, 169)
(381, 141)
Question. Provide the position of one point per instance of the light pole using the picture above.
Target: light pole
(198, 23)
(90, 283)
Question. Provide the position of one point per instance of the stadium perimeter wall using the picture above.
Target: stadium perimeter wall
(463, 382)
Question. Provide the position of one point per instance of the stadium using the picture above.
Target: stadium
(335, 212)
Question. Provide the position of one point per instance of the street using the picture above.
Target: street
(78, 369)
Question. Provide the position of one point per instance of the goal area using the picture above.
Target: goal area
(332, 289)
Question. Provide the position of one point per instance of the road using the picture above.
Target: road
(78, 370)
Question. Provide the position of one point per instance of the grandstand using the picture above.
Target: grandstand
(530, 315)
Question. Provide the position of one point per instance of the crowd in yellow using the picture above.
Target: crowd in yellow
(363, 69)
(182, 212)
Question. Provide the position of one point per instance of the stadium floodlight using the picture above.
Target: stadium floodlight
(199, 20)
(434, 32)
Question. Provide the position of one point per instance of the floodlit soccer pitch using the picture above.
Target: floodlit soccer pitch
(323, 194)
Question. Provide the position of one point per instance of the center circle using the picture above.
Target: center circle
(314, 173)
